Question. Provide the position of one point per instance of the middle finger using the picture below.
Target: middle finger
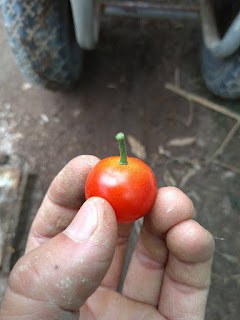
(145, 273)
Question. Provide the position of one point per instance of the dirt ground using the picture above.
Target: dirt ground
(123, 89)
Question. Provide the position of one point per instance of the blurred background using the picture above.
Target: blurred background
(122, 87)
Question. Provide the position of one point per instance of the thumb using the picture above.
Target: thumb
(55, 279)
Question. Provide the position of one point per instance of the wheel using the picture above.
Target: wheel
(41, 36)
(222, 75)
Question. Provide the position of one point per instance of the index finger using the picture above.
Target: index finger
(64, 197)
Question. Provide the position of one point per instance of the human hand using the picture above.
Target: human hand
(74, 259)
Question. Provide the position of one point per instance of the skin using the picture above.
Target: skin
(75, 254)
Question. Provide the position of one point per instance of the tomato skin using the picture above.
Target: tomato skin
(130, 189)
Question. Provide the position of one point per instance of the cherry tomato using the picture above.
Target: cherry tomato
(130, 188)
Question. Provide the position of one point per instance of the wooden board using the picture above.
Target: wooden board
(12, 187)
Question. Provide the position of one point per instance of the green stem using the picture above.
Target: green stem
(122, 148)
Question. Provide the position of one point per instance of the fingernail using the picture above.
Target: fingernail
(84, 223)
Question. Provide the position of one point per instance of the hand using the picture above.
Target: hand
(74, 259)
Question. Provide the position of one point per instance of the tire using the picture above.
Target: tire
(41, 36)
(222, 76)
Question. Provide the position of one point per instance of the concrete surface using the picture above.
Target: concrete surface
(122, 89)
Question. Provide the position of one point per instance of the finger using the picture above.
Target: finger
(64, 198)
(145, 273)
(55, 279)
(114, 274)
(187, 274)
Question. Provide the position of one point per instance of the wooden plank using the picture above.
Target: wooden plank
(12, 187)
(3, 286)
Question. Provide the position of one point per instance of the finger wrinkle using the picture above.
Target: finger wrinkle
(52, 218)
(152, 245)
(60, 204)
(69, 313)
(47, 227)
(70, 192)
(68, 185)
(149, 262)
(193, 274)
(36, 237)
(66, 309)
(22, 295)
(106, 286)
(192, 263)
(185, 288)
(122, 241)
(89, 310)
(154, 234)
(151, 314)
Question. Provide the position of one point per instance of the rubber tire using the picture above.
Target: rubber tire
(222, 76)
(41, 36)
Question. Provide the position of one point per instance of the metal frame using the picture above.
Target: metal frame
(144, 9)
(220, 48)
(86, 15)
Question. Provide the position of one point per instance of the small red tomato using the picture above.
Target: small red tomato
(127, 183)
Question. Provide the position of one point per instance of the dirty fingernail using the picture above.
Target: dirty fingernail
(84, 223)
